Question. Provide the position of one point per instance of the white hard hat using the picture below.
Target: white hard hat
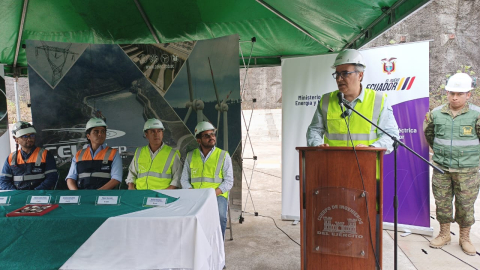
(21, 128)
(459, 82)
(153, 123)
(202, 126)
(95, 122)
(349, 56)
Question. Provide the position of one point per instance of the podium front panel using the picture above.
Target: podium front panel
(340, 222)
(334, 173)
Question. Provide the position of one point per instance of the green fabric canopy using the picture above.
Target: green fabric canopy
(328, 25)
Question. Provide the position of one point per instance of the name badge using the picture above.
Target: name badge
(107, 200)
(4, 199)
(69, 199)
(40, 199)
(152, 201)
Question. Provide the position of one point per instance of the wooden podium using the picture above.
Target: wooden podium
(333, 207)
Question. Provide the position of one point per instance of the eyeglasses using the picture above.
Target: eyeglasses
(25, 137)
(343, 74)
(209, 135)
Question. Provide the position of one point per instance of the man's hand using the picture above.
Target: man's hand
(72, 184)
(323, 145)
(218, 191)
(131, 186)
(110, 185)
(361, 145)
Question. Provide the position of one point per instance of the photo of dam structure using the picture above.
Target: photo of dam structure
(127, 84)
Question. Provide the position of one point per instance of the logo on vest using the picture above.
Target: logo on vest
(36, 170)
(142, 168)
(105, 168)
(467, 130)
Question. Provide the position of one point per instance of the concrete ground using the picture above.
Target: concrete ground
(258, 244)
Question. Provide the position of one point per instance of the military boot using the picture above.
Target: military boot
(443, 237)
(465, 243)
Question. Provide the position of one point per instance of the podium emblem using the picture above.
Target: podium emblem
(339, 226)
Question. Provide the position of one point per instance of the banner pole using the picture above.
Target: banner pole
(17, 102)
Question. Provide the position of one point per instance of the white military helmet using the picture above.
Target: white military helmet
(21, 128)
(460, 82)
(202, 126)
(95, 122)
(349, 56)
(153, 123)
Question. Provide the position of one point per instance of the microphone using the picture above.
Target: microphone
(340, 102)
(340, 98)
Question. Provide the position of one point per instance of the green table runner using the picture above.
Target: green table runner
(48, 241)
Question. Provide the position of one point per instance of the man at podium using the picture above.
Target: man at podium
(329, 123)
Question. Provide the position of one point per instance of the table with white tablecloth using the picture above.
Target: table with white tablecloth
(185, 234)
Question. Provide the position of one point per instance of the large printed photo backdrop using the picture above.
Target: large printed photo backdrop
(127, 84)
(401, 72)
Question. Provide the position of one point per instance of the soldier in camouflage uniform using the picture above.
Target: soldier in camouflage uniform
(453, 132)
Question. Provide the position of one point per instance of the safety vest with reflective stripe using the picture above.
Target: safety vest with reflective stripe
(208, 174)
(93, 173)
(30, 173)
(362, 132)
(156, 174)
(456, 143)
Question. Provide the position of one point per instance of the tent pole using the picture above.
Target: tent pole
(20, 32)
(285, 18)
(17, 103)
(147, 21)
(16, 71)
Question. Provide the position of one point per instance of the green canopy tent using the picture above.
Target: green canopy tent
(281, 27)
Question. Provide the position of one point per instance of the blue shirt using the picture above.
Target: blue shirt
(227, 183)
(117, 170)
(387, 122)
(51, 174)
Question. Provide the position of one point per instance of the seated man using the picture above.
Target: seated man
(30, 167)
(209, 167)
(156, 165)
(96, 166)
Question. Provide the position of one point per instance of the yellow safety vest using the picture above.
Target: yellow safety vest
(156, 174)
(362, 132)
(208, 174)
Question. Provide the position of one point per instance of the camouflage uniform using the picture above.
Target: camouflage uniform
(463, 183)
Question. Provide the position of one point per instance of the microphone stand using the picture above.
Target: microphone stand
(396, 143)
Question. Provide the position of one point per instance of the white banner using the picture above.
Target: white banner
(400, 70)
